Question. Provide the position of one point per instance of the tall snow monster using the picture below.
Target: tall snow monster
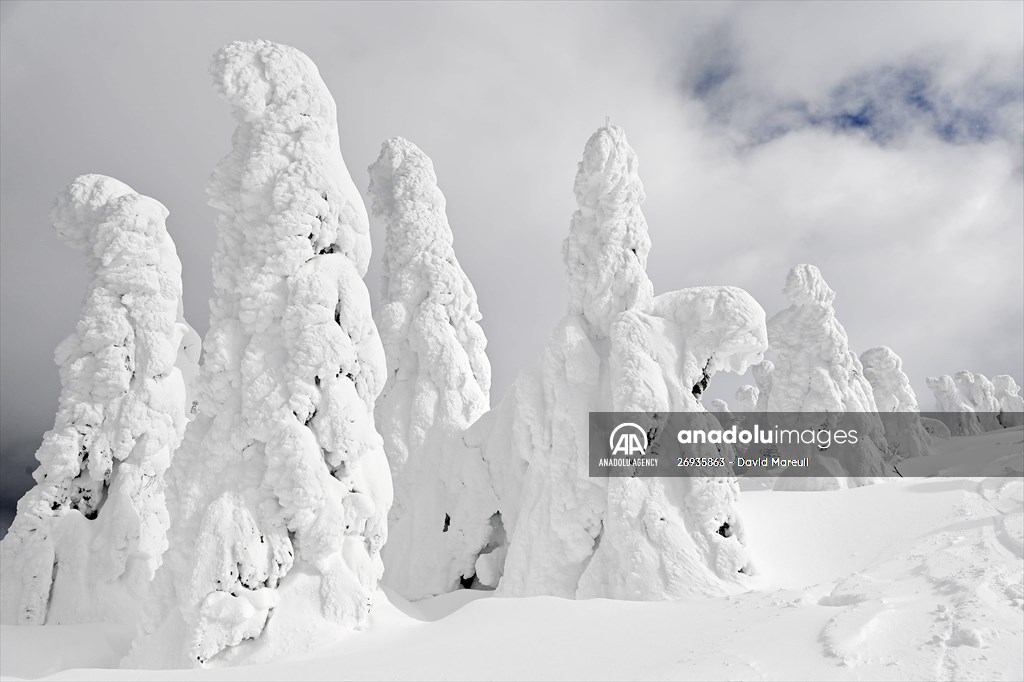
(280, 492)
(905, 435)
(618, 348)
(88, 538)
(816, 373)
(438, 383)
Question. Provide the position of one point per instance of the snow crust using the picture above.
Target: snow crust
(815, 371)
(618, 348)
(904, 434)
(280, 491)
(438, 384)
(89, 536)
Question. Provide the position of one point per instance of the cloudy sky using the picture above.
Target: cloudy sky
(881, 142)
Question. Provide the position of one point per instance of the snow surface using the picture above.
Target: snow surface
(280, 491)
(843, 593)
(438, 384)
(816, 372)
(88, 537)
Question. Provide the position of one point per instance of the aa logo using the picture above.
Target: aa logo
(628, 440)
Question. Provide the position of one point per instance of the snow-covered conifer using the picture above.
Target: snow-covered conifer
(280, 491)
(816, 372)
(746, 398)
(978, 392)
(618, 348)
(1011, 404)
(897, 404)
(89, 536)
(953, 409)
(438, 383)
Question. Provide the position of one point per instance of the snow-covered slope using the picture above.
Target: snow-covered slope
(280, 491)
(844, 593)
(88, 537)
(438, 383)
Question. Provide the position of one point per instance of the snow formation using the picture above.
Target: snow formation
(438, 383)
(280, 491)
(1011, 404)
(897, 404)
(746, 398)
(618, 348)
(89, 536)
(955, 412)
(978, 392)
(816, 372)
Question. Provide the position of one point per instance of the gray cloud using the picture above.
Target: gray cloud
(919, 232)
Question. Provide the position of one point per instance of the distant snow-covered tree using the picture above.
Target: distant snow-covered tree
(956, 413)
(746, 398)
(816, 372)
(978, 392)
(280, 492)
(897, 404)
(438, 383)
(1011, 404)
(89, 536)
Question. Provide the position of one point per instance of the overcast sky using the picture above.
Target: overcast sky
(881, 142)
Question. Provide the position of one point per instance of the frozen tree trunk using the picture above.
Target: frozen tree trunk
(618, 347)
(954, 411)
(1011, 404)
(815, 372)
(280, 491)
(897, 405)
(438, 384)
(89, 536)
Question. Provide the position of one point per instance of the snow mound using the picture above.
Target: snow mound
(438, 384)
(89, 536)
(280, 491)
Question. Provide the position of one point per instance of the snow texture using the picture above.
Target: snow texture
(280, 491)
(618, 348)
(746, 398)
(815, 371)
(978, 392)
(438, 384)
(89, 536)
(904, 434)
(1011, 404)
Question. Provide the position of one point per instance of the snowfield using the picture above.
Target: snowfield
(919, 578)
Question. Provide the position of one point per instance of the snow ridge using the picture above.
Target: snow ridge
(280, 492)
(438, 383)
(89, 536)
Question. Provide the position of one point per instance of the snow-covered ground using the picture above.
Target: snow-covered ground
(919, 578)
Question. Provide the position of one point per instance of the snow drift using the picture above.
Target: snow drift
(89, 536)
(438, 383)
(280, 491)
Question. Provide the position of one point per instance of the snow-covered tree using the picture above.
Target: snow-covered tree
(280, 491)
(746, 398)
(89, 536)
(617, 348)
(438, 383)
(816, 372)
(978, 392)
(897, 404)
(953, 409)
(1011, 404)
